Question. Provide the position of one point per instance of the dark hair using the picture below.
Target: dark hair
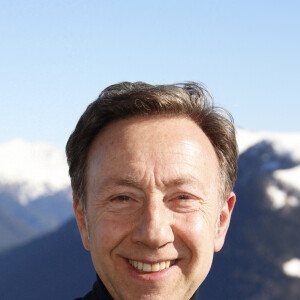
(127, 99)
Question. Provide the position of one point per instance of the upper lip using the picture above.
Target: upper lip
(152, 261)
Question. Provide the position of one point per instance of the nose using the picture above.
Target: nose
(154, 225)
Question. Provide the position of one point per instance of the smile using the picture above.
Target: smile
(146, 268)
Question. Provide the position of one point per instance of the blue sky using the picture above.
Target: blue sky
(56, 57)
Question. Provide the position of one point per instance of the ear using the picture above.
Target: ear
(224, 221)
(81, 221)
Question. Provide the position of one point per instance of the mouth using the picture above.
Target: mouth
(149, 268)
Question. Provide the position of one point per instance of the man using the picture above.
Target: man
(152, 170)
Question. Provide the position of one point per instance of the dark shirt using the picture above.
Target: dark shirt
(99, 292)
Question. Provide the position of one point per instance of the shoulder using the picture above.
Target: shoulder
(98, 292)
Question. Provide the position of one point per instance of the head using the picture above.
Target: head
(152, 171)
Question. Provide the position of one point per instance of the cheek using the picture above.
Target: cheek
(199, 239)
(196, 232)
(107, 233)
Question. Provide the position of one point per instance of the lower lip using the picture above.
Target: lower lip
(153, 276)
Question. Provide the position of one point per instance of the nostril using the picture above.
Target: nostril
(154, 238)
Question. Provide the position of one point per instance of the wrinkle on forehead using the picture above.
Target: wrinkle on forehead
(127, 129)
(136, 182)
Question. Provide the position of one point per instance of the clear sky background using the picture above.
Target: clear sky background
(57, 55)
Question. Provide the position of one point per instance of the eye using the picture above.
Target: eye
(184, 197)
(184, 203)
(122, 198)
(124, 204)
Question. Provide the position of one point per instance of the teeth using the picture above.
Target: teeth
(147, 268)
(155, 268)
(162, 265)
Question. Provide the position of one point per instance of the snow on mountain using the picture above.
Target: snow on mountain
(282, 142)
(283, 180)
(289, 177)
(280, 198)
(32, 169)
(292, 267)
(283, 190)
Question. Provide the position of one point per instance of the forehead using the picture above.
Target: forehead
(159, 140)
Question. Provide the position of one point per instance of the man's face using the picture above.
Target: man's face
(152, 207)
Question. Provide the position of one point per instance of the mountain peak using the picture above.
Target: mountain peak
(32, 169)
(282, 142)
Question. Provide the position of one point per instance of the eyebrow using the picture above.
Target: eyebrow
(133, 182)
(130, 181)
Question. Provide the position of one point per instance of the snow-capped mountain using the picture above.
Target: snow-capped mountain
(282, 142)
(281, 179)
(30, 170)
(35, 194)
(282, 185)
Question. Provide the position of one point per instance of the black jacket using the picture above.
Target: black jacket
(99, 292)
